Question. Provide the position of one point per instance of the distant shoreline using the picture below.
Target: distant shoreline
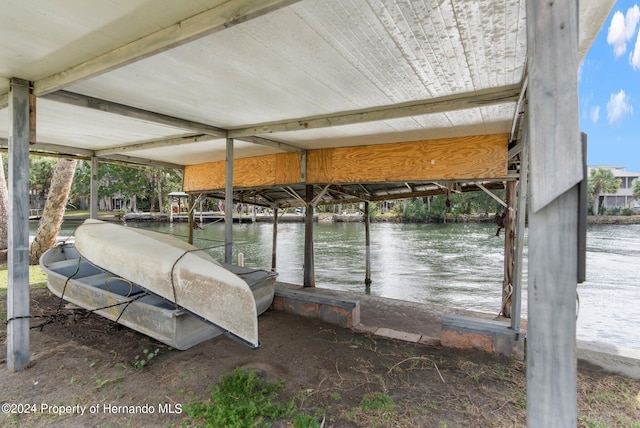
(613, 219)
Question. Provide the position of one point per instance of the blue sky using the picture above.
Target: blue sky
(609, 90)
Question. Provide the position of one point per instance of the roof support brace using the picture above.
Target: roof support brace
(18, 353)
(493, 195)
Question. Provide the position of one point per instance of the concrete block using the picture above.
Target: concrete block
(485, 335)
(343, 312)
(399, 335)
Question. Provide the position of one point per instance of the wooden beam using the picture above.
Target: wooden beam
(467, 100)
(478, 157)
(272, 143)
(18, 352)
(59, 151)
(555, 169)
(133, 112)
(164, 142)
(220, 17)
(129, 160)
(54, 148)
(136, 113)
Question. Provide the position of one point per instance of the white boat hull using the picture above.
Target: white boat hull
(175, 271)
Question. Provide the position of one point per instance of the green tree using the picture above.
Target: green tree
(40, 175)
(601, 180)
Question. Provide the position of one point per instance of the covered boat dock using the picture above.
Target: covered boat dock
(299, 103)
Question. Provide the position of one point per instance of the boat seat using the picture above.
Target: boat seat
(113, 284)
(159, 302)
(78, 268)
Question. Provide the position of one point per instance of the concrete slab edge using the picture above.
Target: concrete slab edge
(611, 358)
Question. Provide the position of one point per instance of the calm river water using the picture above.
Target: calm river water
(456, 265)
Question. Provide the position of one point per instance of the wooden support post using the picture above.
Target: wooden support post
(521, 216)
(555, 170)
(309, 269)
(228, 204)
(18, 353)
(551, 332)
(275, 239)
(367, 238)
(509, 236)
(93, 192)
(190, 218)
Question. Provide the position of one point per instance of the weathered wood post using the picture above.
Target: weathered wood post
(228, 204)
(555, 171)
(367, 238)
(309, 269)
(521, 216)
(190, 219)
(18, 353)
(275, 239)
(509, 248)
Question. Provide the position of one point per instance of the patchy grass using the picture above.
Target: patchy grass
(37, 278)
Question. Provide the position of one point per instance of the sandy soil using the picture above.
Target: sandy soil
(85, 362)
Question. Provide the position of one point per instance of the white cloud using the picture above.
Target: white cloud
(618, 107)
(634, 57)
(622, 29)
(594, 114)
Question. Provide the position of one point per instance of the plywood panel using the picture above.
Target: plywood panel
(282, 168)
(451, 158)
(288, 169)
(474, 157)
(206, 176)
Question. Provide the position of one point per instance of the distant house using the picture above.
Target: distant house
(623, 198)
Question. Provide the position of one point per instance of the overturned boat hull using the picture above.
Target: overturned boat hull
(76, 280)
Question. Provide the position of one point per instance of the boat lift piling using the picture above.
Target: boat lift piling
(367, 232)
(275, 239)
(309, 270)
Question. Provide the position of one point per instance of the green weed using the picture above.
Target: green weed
(242, 399)
(305, 421)
(141, 363)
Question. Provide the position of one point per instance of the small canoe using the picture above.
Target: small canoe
(74, 279)
(172, 269)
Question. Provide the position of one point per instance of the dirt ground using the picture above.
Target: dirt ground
(83, 361)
